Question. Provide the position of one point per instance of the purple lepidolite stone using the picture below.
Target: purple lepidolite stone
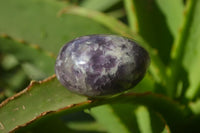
(101, 65)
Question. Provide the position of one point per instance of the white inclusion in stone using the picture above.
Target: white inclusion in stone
(58, 76)
(59, 62)
(114, 69)
(69, 48)
(96, 46)
(83, 59)
(81, 62)
(66, 59)
(88, 42)
(101, 48)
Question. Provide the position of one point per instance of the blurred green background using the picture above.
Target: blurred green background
(32, 33)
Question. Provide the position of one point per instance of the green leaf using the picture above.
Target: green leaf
(169, 7)
(191, 60)
(15, 80)
(86, 126)
(25, 53)
(166, 7)
(128, 118)
(149, 121)
(12, 78)
(75, 122)
(177, 74)
(38, 22)
(185, 55)
(99, 5)
(11, 82)
(147, 84)
(53, 125)
(109, 120)
(48, 98)
(153, 21)
(36, 100)
(195, 106)
(9, 62)
(143, 118)
(157, 67)
(132, 20)
(108, 21)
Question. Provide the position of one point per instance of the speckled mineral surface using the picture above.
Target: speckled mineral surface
(101, 65)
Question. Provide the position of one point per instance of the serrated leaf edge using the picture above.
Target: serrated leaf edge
(97, 102)
(49, 112)
(31, 45)
(26, 90)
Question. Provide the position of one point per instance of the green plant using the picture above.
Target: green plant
(33, 31)
(101, 65)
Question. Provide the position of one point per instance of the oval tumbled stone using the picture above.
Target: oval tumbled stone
(101, 65)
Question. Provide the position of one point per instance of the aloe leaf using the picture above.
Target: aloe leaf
(15, 81)
(143, 119)
(166, 7)
(25, 53)
(11, 82)
(149, 121)
(175, 7)
(53, 125)
(12, 76)
(195, 106)
(177, 52)
(153, 21)
(147, 84)
(185, 56)
(128, 118)
(49, 98)
(38, 22)
(108, 21)
(83, 123)
(8, 62)
(99, 5)
(35, 101)
(109, 120)
(191, 60)
(132, 20)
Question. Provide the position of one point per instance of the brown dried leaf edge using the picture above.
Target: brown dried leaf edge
(44, 113)
(155, 101)
(31, 45)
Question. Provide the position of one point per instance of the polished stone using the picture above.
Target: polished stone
(101, 65)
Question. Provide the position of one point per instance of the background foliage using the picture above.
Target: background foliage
(32, 32)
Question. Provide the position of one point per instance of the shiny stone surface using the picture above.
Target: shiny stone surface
(101, 65)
